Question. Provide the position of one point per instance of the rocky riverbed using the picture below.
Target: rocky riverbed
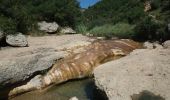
(142, 74)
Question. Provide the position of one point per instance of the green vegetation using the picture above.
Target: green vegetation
(109, 18)
(121, 30)
(104, 18)
(22, 15)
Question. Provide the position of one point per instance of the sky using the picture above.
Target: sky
(87, 3)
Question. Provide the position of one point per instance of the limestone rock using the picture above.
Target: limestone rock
(149, 45)
(143, 70)
(48, 27)
(67, 30)
(22, 67)
(74, 98)
(166, 44)
(17, 40)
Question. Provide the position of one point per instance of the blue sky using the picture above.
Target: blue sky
(87, 3)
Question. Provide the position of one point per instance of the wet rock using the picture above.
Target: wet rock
(142, 70)
(48, 27)
(17, 40)
(67, 30)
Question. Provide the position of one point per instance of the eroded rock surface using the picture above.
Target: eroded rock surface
(18, 64)
(79, 65)
(142, 70)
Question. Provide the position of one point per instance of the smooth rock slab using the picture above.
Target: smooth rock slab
(22, 67)
(17, 40)
(143, 70)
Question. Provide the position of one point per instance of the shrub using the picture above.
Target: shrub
(81, 28)
(149, 29)
(7, 25)
(121, 30)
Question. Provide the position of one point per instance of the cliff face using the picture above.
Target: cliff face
(80, 65)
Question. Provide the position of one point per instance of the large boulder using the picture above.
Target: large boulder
(17, 40)
(67, 30)
(48, 27)
(166, 44)
(25, 65)
(144, 73)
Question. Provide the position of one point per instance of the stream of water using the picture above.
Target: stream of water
(83, 89)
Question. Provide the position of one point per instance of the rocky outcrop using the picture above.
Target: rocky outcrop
(67, 30)
(19, 64)
(48, 27)
(22, 67)
(143, 73)
(17, 40)
(79, 65)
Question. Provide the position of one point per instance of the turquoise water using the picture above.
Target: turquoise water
(83, 89)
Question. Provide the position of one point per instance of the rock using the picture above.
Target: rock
(74, 98)
(148, 45)
(142, 72)
(100, 38)
(67, 30)
(166, 44)
(155, 45)
(24, 66)
(18, 64)
(17, 40)
(48, 27)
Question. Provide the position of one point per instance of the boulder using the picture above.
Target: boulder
(17, 40)
(155, 45)
(166, 44)
(143, 73)
(148, 45)
(25, 65)
(67, 30)
(48, 27)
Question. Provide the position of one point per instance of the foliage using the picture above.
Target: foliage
(149, 29)
(25, 13)
(81, 28)
(7, 25)
(121, 30)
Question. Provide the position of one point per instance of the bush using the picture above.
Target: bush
(149, 29)
(121, 30)
(81, 28)
(7, 25)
